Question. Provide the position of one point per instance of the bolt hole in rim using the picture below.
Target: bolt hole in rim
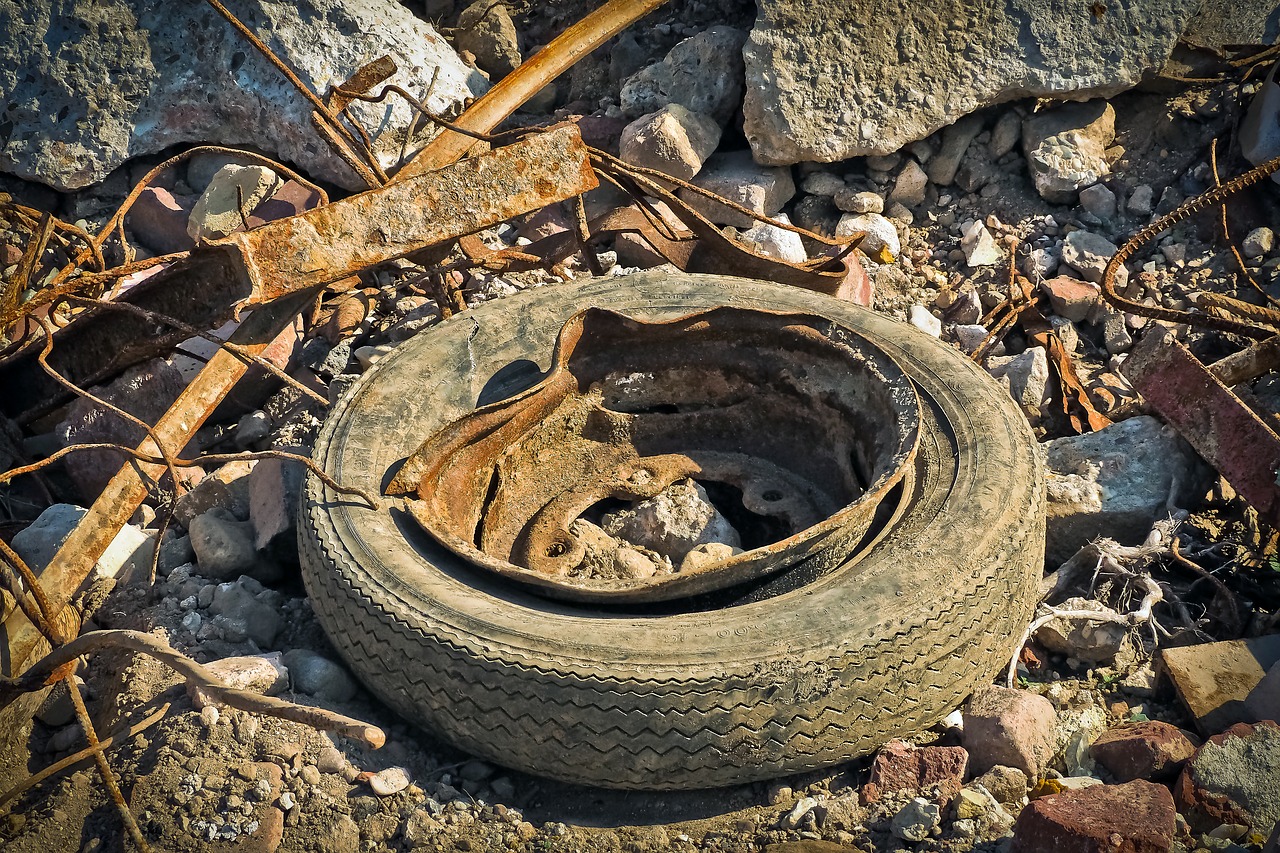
(796, 427)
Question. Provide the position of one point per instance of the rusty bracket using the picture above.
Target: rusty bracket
(1226, 432)
(301, 252)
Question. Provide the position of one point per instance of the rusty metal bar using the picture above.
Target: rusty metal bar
(316, 247)
(1227, 433)
(526, 81)
(127, 489)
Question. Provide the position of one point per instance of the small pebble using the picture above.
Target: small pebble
(393, 780)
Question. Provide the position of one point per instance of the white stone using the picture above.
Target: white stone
(1258, 243)
(879, 231)
(1028, 375)
(393, 780)
(916, 820)
(703, 73)
(1090, 253)
(910, 185)
(859, 201)
(920, 317)
(970, 335)
(979, 247)
(776, 242)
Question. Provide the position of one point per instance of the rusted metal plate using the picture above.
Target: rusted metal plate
(316, 247)
(1210, 417)
(795, 427)
(327, 243)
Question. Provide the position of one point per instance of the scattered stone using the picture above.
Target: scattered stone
(1089, 253)
(252, 429)
(1009, 727)
(275, 487)
(775, 242)
(1076, 730)
(1258, 243)
(239, 606)
(1117, 479)
(127, 558)
(980, 249)
(1115, 333)
(922, 318)
(1041, 263)
(263, 674)
(1005, 134)
(672, 140)
(1100, 201)
(145, 391)
(58, 709)
(291, 199)
(1028, 378)
(859, 201)
(229, 199)
(673, 523)
(1214, 680)
(1070, 297)
(970, 335)
(966, 309)
(909, 188)
(702, 74)
(226, 488)
(1141, 201)
(1152, 750)
(955, 142)
(1083, 637)
(822, 184)
(880, 233)
(735, 176)
(1066, 148)
(900, 767)
(223, 546)
(916, 820)
(975, 803)
(160, 56)
(316, 675)
(1234, 777)
(1137, 816)
(801, 810)
(1007, 784)
(485, 30)
(158, 219)
(393, 780)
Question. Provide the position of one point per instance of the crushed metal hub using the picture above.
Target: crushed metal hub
(796, 426)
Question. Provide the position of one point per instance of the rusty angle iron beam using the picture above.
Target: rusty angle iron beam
(314, 248)
(1213, 420)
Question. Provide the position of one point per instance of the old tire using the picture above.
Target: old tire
(883, 646)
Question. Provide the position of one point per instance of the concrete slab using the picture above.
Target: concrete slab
(1214, 680)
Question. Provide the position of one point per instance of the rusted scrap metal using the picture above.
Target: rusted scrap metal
(1222, 429)
(301, 252)
(630, 407)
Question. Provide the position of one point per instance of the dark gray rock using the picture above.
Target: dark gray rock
(178, 73)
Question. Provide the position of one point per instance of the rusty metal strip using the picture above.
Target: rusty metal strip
(1229, 435)
(316, 247)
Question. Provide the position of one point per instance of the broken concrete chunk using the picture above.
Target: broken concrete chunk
(673, 140)
(223, 546)
(1215, 680)
(264, 674)
(702, 73)
(1119, 479)
(828, 80)
(775, 242)
(91, 83)
(1066, 148)
(879, 233)
(1234, 778)
(1150, 750)
(980, 249)
(229, 199)
(1090, 253)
